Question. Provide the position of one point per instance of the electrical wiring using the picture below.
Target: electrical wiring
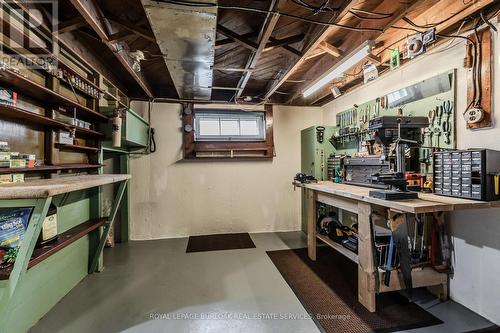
(316, 10)
(370, 15)
(267, 12)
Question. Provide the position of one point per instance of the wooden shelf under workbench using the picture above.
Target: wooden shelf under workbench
(44, 188)
(64, 239)
(357, 200)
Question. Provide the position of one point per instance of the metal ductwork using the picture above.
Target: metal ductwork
(186, 36)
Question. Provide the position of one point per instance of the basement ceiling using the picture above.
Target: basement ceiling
(254, 51)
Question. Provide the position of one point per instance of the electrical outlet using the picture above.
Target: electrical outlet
(474, 115)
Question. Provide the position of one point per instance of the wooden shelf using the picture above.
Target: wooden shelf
(50, 168)
(339, 248)
(13, 113)
(25, 86)
(64, 239)
(77, 148)
(9, 112)
(68, 68)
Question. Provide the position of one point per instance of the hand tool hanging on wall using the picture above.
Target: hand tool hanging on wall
(446, 132)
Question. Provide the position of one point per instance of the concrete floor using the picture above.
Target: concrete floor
(151, 286)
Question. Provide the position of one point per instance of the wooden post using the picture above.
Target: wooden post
(311, 223)
(366, 265)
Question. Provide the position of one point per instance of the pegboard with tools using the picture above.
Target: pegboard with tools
(433, 98)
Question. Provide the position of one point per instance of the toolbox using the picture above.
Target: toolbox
(470, 174)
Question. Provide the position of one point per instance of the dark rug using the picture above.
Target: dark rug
(491, 329)
(219, 242)
(327, 288)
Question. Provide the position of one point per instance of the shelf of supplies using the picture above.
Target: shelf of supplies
(89, 82)
(9, 112)
(27, 87)
(77, 148)
(339, 248)
(51, 168)
(64, 239)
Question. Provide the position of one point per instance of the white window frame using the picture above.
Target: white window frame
(238, 115)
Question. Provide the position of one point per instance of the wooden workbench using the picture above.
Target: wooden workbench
(356, 199)
(38, 194)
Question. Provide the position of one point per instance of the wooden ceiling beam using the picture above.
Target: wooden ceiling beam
(438, 14)
(95, 18)
(70, 25)
(134, 28)
(325, 31)
(120, 35)
(320, 68)
(330, 49)
(227, 41)
(240, 39)
(316, 53)
(274, 43)
(265, 34)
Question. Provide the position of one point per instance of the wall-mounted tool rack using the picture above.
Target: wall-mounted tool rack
(353, 129)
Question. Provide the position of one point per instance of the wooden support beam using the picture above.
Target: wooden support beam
(330, 49)
(228, 41)
(274, 43)
(228, 69)
(70, 25)
(120, 35)
(320, 68)
(264, 36)
(420, 12)
(95, 18)
(315, 53)
(240, 39)
(144, 33)
(325, 31)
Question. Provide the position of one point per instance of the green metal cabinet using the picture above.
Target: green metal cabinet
(135, 130)
(314, 157)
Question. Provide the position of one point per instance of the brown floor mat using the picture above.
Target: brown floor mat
(327, 289)
(219, 242)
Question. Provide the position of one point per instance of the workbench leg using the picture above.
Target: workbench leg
(311, 223)
(109, 224)
(23, 258)
(366, 265)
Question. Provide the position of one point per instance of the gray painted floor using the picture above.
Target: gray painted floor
(151, 286)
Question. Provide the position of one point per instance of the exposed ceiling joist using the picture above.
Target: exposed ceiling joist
(264, 36)
(325, 31)
(315, 53)
(440, 11)
(240, 39)
(330, 49)
(70, 25)
(228, 41)
(274, 43)
(120, 35)
(95, 18)
(144, 33)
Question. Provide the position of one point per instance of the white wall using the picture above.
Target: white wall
(175, 198)
(476, 233)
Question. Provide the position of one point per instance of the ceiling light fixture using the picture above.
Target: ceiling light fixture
(343, 65)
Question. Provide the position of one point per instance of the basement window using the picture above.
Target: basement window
(221, 125)
(220, 133)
